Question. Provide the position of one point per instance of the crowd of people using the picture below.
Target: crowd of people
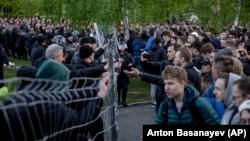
(214, 65)
(196, 77)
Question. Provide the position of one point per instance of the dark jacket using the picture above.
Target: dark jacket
(37, 52)
(21, 41)
(155, 68)
(87, 72)
(7, 40)
(205, 109)
(125, 64)
(197, 61)
(82, 64)
(86, 69)
(157, 53)
(43, 119)
(13, 37)
(76, 57)
(80, 72)
(3, 56)
(193, 75)
(31, 39)
(3, 60)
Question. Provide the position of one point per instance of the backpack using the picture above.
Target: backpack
(192, 108)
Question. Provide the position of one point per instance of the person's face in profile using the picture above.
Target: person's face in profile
(220, 90)
(60, 57)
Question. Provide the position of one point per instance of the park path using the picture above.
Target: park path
(131, 119)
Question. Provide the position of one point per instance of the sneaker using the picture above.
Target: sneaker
(12, 64)
(153, 104)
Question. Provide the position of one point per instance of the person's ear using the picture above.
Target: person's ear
(183, 83)
(248, 96)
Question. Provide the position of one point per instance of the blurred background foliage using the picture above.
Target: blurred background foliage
(215, 14)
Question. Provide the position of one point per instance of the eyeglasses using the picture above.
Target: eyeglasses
(236, 97)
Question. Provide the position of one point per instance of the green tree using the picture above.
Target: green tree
(215, 14)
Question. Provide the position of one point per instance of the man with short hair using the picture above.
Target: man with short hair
(90, 41)
(180, 96)
(182, 41)
(183, 58)
(166, 37)
(39, 48)
(206, 50)
(55, 52)
(152, 68)
(241, 94)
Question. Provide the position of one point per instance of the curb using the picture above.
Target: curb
(136, 104)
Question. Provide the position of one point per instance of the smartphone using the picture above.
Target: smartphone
(241, 54)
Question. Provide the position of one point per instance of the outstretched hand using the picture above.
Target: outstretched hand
(142, 56)
(104, 85)
(133, 72)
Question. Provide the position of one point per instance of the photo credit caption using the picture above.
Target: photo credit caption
(211, 132)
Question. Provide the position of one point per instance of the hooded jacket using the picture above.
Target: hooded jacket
(228, 103)
(55, 71)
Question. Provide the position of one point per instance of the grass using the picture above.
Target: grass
(10, 73)
(138, 91)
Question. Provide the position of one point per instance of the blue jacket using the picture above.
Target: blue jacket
(137, 46)
(149, 44)
(209, 92)
(210, 97)
(218, 106)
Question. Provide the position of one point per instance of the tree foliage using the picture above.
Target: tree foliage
(212, 13)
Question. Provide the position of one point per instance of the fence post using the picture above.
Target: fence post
(112, 91)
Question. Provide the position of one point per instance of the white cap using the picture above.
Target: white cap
(244, 105)
(195, 34)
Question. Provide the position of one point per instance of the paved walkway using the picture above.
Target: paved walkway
(131, 119)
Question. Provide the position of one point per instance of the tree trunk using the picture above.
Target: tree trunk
(237, 16)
